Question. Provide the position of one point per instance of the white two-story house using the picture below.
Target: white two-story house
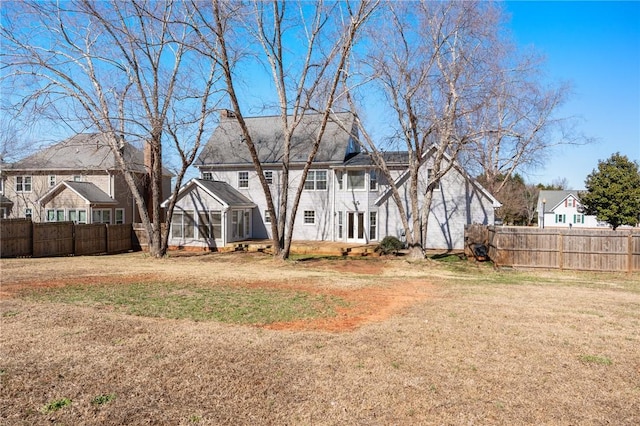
(345, 197)
(562, 209)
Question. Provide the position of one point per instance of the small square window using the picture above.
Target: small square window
(243, 179)
(207, 176)
(309, 217)
(268, 176)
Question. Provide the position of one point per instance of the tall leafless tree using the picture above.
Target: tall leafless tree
(119, 68)
(306, 81)
(429, 61)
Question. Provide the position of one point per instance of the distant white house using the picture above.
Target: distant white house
(345, 197)
(562, 209)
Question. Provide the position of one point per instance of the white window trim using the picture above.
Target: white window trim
(313, 216)
(23, 183)
(374, 216)
(364, 181)
(438, 186)
(115, 216)
(52, 181)
(102, 215)
(373, 178)
(207, 176)
(315, 180)
(242, 180)
(267, 217)
(268, 176)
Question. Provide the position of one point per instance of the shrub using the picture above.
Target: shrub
(390, 245)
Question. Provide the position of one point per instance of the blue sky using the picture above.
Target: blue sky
(596, 47)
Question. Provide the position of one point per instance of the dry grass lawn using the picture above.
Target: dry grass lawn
(415, 343)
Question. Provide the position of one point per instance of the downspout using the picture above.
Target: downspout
(333, 205)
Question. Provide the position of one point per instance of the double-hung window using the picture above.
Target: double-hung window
(119, 216)
(561, 218)
(243, 179)
(373, 180)
(316, 180)
(309, 217)
(52, 181)
(268, 176)
(182, 224)
(23, 183)
(373, 225)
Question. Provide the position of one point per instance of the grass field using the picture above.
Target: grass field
(242, 339)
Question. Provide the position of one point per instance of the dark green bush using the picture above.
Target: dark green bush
(390, 245)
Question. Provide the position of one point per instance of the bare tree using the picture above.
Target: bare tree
(121, 68)
(519, 120)
(429, 60)
(305, 81)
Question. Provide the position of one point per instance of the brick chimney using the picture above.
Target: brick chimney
(147, 157)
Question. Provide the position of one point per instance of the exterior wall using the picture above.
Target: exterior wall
(569, 213)
(112, 184)
(40, 185)
(455, 204)
(197, 201)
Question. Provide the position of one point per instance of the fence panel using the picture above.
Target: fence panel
(15, 237)
(52, 239)
(119, 238)
(91, 239)
(22, 237)
(576, 249)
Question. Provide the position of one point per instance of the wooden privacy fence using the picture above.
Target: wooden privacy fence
(559, 248)
(22, 237)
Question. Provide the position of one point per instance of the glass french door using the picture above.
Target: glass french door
(355, 227)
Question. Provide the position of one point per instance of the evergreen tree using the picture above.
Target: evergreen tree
(613, 191)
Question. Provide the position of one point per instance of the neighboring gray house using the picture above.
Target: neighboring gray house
(345, 198)
(562, 209)
(77, 180)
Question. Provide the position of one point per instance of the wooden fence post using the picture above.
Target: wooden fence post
(560, 251)
(630, 252)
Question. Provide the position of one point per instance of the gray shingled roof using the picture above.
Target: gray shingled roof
(85, 151)
(554, 197)
(226, 193)
(90, 192)
(227, 147)
(390, 158)
(87, 190)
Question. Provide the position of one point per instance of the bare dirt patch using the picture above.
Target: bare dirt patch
(363, 305)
